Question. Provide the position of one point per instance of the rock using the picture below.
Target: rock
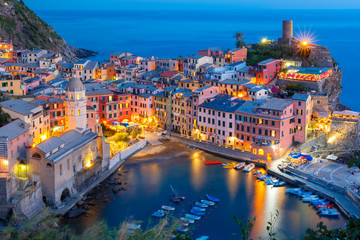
(79, 203)
(98, 196)
(55, 225)
(86, 208)
(75, 213)
(91, 203)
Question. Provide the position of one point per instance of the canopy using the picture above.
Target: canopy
(332, 157)
(115, 123)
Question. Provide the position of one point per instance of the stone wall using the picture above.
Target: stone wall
(312, 144)
(31, 201)
(123, 155)
(346, 134)
(83, 179)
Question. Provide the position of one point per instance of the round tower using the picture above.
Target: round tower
(75, 99)
(287, 30)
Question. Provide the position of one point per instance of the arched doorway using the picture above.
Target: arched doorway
(65, 194)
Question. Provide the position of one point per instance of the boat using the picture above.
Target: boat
(258, 172)
(239, 165)
(168, 208)
(203, 205)
(200, 209)
(249, 167)
(183, 223)
(309, 199)
(292, 190)
(279, 184)
(176, 194)
(191, 216)
(132, 226)
(224, 164)
(212, 162)
(197, 212)
(188, 220)
(214, 199)
(329, 212)
(175, 199)
(325, 206)
(202, 238)
(210, 203)
(182, 229)
(159, 213)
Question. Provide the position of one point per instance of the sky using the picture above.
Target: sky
(190, 4)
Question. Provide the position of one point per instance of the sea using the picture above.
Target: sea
(174, 33)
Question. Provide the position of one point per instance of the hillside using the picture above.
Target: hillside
(26, 30)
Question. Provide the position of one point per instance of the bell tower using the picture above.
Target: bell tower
(75, 110)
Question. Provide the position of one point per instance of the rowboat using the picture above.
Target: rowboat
(203, 205)
(197, 212)
(214, 199)
(200, 209)
(210, 203)
(325, 206)
(202, 238)
(182, 229)
(194, 217)
(174, 199)
(158, 213)
(249, 168)
(184, 224)
(168, 208)
(132, 226)
(279, 184)
(289, 190)
(212, 162)
(329, 212)
(239, 165)
(188, 220)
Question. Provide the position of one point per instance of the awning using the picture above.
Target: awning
(332, 157)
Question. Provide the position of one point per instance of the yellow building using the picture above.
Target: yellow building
(11, 85)
(190, 84)
(162, 107)
(180, 109)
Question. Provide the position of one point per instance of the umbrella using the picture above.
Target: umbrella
(332, 157)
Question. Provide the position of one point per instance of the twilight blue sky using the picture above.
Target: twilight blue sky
(190, 4)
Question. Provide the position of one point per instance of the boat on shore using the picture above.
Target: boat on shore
(329, 212)
(249, 167)
(202, 205)
(279, 184)
(200, 209)
(198, 213)
(239, 165)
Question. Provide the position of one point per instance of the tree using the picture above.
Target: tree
(271, 223)
(4, 117)
(239, 39)
(355, 160)
(246, 226)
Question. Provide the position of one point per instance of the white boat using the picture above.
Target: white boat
(249, 167)
(168, 208)
(133, 226)
(202, 238)
(207, 202)
(188, 220)
(191, 216)
(329, 212)
(292, 190)
(239, 165)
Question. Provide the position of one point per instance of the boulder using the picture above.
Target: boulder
(75, 213)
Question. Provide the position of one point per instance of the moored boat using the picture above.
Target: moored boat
(212, 162)
(329, 212)
(191, 216)
(210, 203)
(197, 212)
(198, 209)
(175, 199)
(133, 226)
(203, 205)
(279, 184)
(159, 213)
(249, 167)
(182, 229)
(188, 220)
(168, 208)
(239, 165)
(211, 198)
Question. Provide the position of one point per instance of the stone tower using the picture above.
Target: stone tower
(75, 110)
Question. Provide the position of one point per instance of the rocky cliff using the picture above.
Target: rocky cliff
(26, 30)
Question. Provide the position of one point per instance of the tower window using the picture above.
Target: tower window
(71, 96)
(79, 112)
(72, 112)
(78, 96)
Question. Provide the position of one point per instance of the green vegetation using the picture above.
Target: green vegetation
(4, 117)
(293, 88)
(258, 53)
(355, 160)
(7, 24)
(245, 226)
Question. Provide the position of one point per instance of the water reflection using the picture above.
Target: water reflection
(198, 173)
(232, 182)
(258, 205)
(151, 174)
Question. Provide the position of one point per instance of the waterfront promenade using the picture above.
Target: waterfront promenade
(347, 205)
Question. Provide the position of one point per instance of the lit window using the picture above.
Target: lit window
(79, 112)
(261, 152)
(78, 96)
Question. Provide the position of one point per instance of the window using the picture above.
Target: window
(261, 152)
(260, 131)
(299, 103)
(61, 170)
(72, 113)
(266, 132)
(299, 121)
(272, 123)
(78, 96)
(79, 112)
(230, 125)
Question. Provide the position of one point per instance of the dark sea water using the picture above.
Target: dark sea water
(172, 33)
(149, 174)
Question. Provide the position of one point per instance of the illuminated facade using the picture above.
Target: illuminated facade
(305, 74)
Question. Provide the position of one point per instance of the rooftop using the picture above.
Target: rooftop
(300, 97)
(267, 61)
(21, 106)
(224, 103)
(14, 129)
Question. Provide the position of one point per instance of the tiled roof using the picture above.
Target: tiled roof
(21, 106)
(146, 95)
(224, 103)
(14, 129)
(169, 74)
(300, 97)
(267, 61)
(95, 89)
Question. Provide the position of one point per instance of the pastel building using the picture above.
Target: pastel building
(192, 64)
(216, 119)
(265, 71)
(223, 57)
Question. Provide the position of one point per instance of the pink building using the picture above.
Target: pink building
(267, 128)
(216, 119)
(229, 56)
(265, 71)
(303, 110)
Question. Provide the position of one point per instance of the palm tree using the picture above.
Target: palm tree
(239, 39)
(239, 36)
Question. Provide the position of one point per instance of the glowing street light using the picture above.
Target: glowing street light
(304, 43)
(264, 40)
